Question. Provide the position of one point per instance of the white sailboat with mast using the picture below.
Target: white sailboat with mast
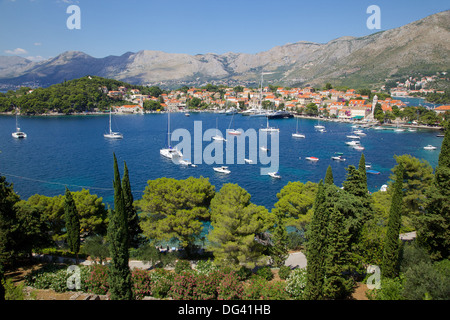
(297, 134)
(18, 134)
(111, 134)
(169, 152)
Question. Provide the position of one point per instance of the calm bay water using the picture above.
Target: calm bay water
(71, 150)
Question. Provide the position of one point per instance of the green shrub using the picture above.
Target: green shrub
(295, 283)
(423, 281)
(391, 289)
(13, 292)
(243, 273)
(182, 265)
(258, 288)
(206, 267)
(284, 272)
(161, 282)
(265, 272)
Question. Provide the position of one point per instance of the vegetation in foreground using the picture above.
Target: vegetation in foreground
(341, 230)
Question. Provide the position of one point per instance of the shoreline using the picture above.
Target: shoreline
(348, 121)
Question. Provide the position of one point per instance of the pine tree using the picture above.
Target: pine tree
(72, 219)
(390, 262)
(279, 248)
(433, 227)
(134, 229)
(329, 176)
(119, 275)
(316, 248)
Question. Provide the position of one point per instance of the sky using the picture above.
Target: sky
(37, 29)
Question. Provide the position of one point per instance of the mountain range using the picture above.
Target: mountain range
(421, 47)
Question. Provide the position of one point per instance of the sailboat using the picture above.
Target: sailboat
(319, 126)
(111, 134)
(259, 112)
(18, 134)
(268, 128)
(399, 129)
(233, 131)
(170, 152)
(297, 134)
(218, 137)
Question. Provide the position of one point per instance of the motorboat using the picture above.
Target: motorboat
(372, 172)
(430, 147)
(234, 132)
(353, 143)
(338, 158)
(264, 149)
(274, 175)
(353, 137)
(248, 161)
(360, 133)
(186, 162)
(368, 165)
(222, 169)
(312, 159)
(412, 129)
(111, 134)
(171, 153)
(280, 115)
(358, 147)
(322, 130)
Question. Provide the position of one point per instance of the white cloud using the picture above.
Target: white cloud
(16, 51)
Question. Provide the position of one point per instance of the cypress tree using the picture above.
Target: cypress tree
(433, 227)
(362, 169)
(316, 248)
(329, 176)
(134, 229)
(72, 219)
(336, 284)
(119, 275)
(279, 248)
(390, 262)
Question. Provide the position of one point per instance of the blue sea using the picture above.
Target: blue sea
(71, 150)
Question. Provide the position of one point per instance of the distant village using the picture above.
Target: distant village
(348, 104)
(334, 103)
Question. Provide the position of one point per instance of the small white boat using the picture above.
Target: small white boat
(18, 134)
(274, 175)
(269, 129)
(378, 128)
(358, 147)
(430, 147)
(384, 188)
(186, 162)
(352, 143)
(187, 114)
(360, 133)
(264, 149)
(338, 158)
(399, 130)
(412, 129)
(312, 159)
(169, 152)
(353, 137)
(322, 130)
(219, 138)
(248, 161)
(368, 165)
(298, 135)
(222, 169)
(111, 134)
(234, 132)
